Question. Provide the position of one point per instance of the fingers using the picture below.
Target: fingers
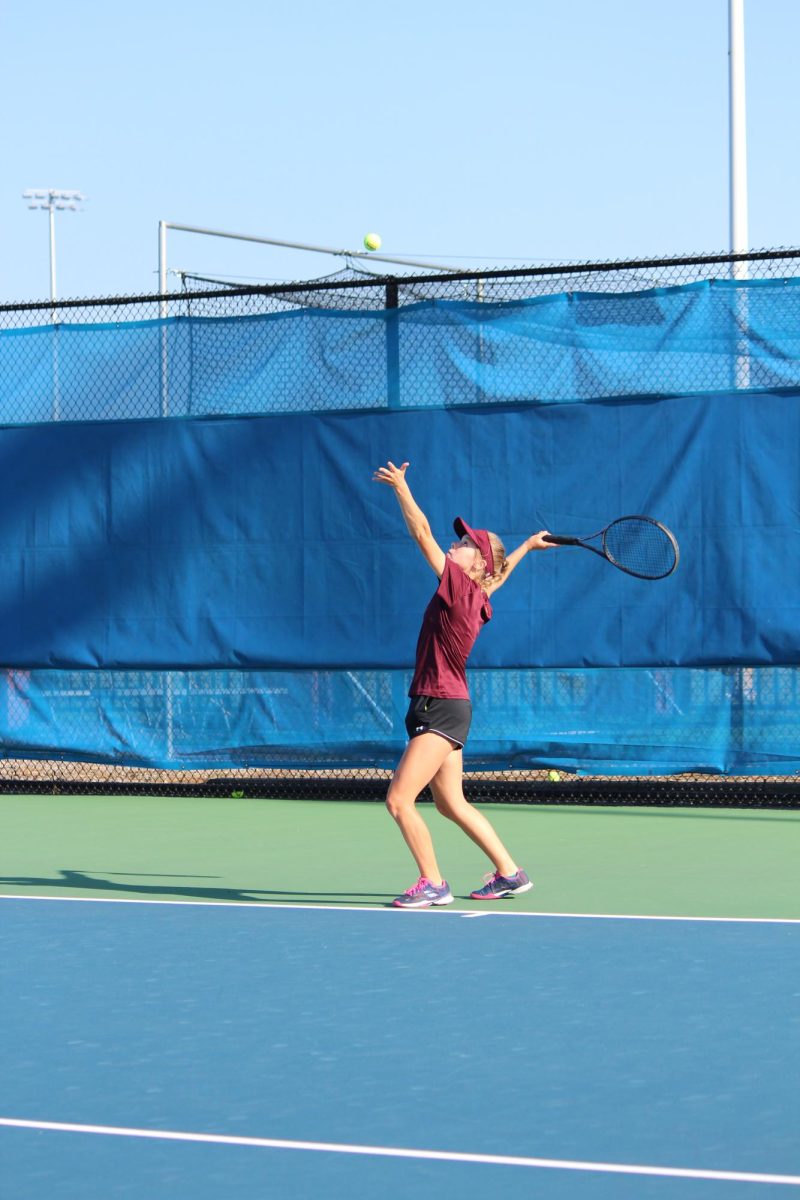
(391, 474)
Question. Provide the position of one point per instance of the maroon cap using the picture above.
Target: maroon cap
(481, 539)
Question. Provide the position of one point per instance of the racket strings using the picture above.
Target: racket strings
(641, 547)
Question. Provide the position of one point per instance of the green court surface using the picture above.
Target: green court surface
(663, 862)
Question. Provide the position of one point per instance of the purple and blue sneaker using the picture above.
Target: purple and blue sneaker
(423, 894)
(497, 886)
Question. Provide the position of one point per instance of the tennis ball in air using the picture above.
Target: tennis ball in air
(554, 776)
(372, 241)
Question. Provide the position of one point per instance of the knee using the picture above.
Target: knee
(443, 807)
(397, 802)
(450, 807)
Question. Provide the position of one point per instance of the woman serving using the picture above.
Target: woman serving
(440, 711)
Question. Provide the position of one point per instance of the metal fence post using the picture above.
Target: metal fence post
(392, 345)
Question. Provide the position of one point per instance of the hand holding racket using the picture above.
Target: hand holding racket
(638, 546)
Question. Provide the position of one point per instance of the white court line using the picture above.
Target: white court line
(494, 1160)
(261, 905)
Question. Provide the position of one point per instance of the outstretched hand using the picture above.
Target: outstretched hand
(394, 476)
(538, 541)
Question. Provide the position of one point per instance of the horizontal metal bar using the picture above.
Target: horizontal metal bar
(247, 237)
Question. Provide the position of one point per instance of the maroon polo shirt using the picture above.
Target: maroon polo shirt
(458, 609)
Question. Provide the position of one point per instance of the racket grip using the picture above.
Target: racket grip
(556, 540)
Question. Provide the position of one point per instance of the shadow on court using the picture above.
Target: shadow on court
(82, 881)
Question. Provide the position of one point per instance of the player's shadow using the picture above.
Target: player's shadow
(83, 881)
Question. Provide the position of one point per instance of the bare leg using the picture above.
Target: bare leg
(448, 792)
(421, 760)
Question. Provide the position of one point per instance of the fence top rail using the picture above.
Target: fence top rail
(552, 269)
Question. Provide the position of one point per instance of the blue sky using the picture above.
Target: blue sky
(474, 134)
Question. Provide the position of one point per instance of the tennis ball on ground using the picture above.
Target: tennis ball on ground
(372, 241)
(554, 776)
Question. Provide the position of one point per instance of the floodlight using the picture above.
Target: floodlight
(53, 199)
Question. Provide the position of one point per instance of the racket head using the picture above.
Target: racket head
(641, 546)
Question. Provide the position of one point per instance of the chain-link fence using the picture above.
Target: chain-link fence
(61, 378)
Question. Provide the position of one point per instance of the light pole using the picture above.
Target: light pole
(738, 133)
(52, 199)
(740, 239)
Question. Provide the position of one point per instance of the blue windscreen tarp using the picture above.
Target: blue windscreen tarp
(263, 543)
(729, 720)
(197, 569)
(704, 337)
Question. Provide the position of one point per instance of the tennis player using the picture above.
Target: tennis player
(440, 712)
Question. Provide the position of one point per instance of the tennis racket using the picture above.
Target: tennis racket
(638, 546)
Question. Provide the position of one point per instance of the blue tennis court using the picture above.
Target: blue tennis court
(164, 1050)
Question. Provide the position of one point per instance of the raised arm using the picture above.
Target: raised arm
(414, 517)
(534, 542)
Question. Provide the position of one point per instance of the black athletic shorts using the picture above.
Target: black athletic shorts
(431, 714)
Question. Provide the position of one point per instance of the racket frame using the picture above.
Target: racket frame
(560, 540)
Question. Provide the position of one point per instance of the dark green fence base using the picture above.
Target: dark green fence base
(677, 792)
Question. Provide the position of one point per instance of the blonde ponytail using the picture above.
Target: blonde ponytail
(500, 561)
